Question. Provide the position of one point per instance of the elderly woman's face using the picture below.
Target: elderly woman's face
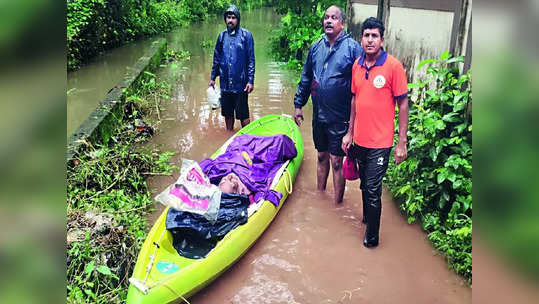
(232, 184)
(227, 186)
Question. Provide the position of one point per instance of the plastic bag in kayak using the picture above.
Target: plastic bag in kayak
(192, 192)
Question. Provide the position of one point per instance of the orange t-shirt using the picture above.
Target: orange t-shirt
(375, 91)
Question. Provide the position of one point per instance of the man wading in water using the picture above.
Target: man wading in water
(326, 77)
(234, 62)
(379, 83)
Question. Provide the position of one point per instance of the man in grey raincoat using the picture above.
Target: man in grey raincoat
(234, 63)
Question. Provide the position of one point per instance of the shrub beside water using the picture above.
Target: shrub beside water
(300, 27)
(434, 185)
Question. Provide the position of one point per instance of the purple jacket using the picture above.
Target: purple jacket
(255, 160)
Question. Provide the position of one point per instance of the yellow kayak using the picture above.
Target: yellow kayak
(161, 275)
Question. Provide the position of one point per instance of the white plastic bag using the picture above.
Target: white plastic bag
(214, 97)
(192, 192)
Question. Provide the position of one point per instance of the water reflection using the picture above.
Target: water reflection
(275, 84)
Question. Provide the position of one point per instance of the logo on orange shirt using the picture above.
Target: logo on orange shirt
(379, 81)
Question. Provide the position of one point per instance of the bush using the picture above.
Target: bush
(300, 28)
(434, 184)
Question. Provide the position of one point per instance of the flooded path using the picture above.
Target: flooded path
(312, 252)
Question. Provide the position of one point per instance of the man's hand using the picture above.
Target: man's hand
(400, 152)
(346, 142)
(248, 88)
(211, 83)
(298, 116)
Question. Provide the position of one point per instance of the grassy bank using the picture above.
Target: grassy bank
(108, 199)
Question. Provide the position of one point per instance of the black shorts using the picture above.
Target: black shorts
(328, 137)
(231, 102)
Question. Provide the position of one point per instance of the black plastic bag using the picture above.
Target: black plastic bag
(194, 236)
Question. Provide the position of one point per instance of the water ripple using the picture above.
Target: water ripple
(269, 260)
(264, 289)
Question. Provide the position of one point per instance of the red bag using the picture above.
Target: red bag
(350, 169)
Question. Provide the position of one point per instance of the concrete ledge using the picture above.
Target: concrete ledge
(98, 127)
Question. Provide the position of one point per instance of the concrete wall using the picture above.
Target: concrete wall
(412, 35)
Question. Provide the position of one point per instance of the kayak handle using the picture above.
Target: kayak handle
(288, 185)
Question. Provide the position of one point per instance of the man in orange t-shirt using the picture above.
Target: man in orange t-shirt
(378, 83)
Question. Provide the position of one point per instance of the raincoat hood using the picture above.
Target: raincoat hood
(234, 10)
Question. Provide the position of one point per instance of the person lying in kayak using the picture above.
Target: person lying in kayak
(255, 160)
(244, 174)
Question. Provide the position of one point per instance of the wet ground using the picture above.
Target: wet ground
(312, 252)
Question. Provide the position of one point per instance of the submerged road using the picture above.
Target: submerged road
(312, 252)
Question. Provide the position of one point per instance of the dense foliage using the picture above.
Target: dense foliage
(97, 25)
(434, 184)
(301, 25)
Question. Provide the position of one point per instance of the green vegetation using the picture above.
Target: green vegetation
(97, 25)
(250, 4)
(300, 27)
(108, 199)
(208, 44)
(94, 26)
(434, 184)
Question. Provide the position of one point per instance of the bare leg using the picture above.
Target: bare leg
(245, 122)
(338, 179)
(229, 121)
(322, 170)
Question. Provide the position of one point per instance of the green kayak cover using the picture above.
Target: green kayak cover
(161, 275)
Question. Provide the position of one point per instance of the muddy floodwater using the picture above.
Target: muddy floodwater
(87, 86)
(312, 252)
